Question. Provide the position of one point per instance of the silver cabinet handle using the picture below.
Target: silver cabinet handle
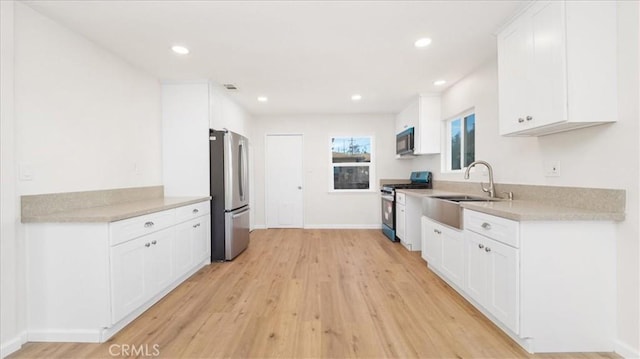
(529, 118)
(480, 245)
(195, 210)
(148, 224)
(299, 187)
(486, 226)
(487, 249)
(196, 225)
(147, 244)
(154, 242)
(520, 120)
(437, 231)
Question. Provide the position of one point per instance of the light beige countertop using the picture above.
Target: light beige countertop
(114, 212)
(524, 210)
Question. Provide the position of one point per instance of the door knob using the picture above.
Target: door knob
(299, 187)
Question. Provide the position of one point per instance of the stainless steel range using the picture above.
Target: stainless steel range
(419, 180)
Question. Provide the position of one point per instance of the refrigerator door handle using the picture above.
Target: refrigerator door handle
(240, 213)
(241, 170)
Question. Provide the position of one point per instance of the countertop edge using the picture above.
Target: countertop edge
(554, 217)
(145, 207)
(561, 213)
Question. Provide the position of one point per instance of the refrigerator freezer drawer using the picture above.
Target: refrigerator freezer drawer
(237, 232)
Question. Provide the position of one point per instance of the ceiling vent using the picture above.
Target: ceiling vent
(230, 86)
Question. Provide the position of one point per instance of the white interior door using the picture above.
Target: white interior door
(284, 187)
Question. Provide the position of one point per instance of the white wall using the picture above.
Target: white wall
(85, 119)
(12, 289)
(80, 117)
(602, 156)
(321, 208)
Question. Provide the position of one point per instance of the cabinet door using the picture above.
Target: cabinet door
(430, 121)
(452, 264)
(158, 270)
(400, 221)
(128, 277)
(201, 239)
(408, 117)
(502, 298)
(432, 243)
(476, 267)
(548, 64)
(514, 49)
(183, 249)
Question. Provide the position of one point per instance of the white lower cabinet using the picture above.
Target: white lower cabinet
(191, 244)
(452, 263)
(548, 284)
(140, 269)
(401, 223)
(183, 256)
(443, 249)
(431, 243)
(409, 214)
(87, 281)
(492, 277)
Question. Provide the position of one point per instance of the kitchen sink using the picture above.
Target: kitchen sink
(447, 209)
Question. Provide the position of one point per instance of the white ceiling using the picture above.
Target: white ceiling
(306, 56)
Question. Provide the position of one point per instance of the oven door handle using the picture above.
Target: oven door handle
(387, 197)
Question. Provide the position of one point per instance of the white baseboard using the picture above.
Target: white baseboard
(13, 345)
(64, 336)
(626, 351)
(342, 226)
(330, 226)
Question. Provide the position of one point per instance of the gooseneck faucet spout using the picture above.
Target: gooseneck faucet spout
(491, 190)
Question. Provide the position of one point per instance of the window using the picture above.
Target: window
(460, 142)
(351, 163)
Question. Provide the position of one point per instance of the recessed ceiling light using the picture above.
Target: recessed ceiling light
(424, 42)
(262, 99)
(180, 50)
(356, 97)
(439, 82)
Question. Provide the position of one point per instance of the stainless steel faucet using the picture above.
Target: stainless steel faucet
(491, 190)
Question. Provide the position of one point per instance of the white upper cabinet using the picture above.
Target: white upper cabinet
(557, 68)
(423, 114)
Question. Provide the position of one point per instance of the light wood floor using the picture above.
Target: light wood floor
(310, 294)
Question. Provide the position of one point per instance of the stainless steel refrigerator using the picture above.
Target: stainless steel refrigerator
(229, 177)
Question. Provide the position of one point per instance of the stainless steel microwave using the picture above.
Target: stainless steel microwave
(405, 142)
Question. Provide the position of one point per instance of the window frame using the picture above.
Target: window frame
(370, 164)
(447, 150)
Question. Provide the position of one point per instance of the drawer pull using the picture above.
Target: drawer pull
(529, 118)
(147, 244)
(486, 226)
(487, 249)
(480, 245)
(196, 225)
(437, 231)
(149, 224)
(195, 210)
(520, 120)
(154, 242)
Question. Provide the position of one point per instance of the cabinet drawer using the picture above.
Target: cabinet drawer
(400, 198)
(127, 229)
(192, 211)
(497, 228)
